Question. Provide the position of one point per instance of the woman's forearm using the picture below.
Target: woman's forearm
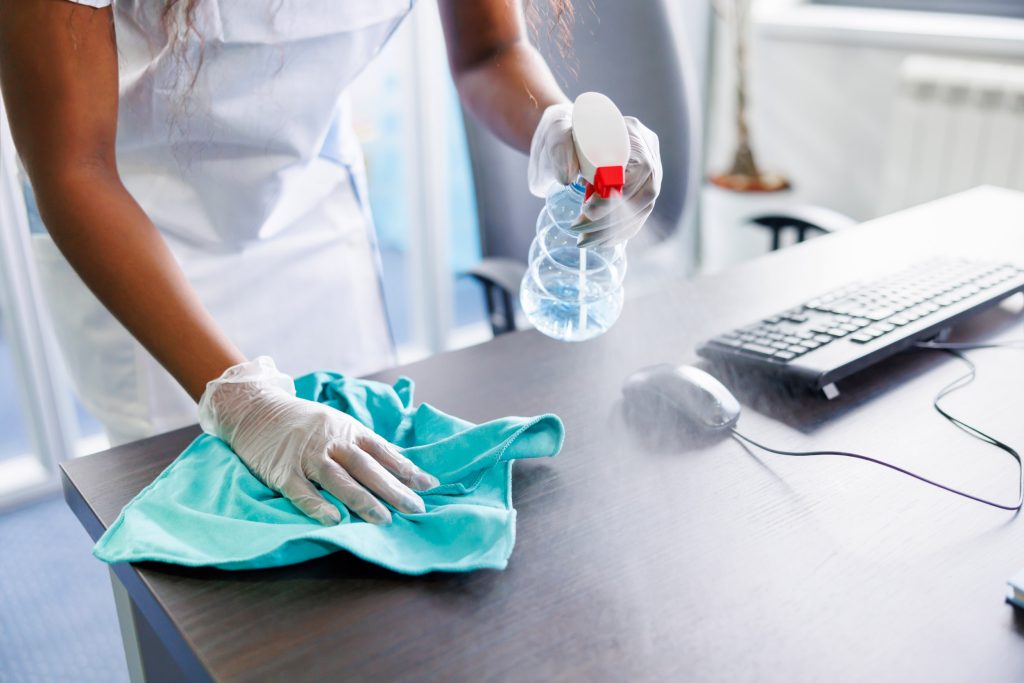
(58, 71)
(123, 259)
(509, 91)
(501, 78)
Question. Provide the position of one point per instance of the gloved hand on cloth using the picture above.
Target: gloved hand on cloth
(292, 445)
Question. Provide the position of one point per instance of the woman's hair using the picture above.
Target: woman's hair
(176, 32)
(561, 15)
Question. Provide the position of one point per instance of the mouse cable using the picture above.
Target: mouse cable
(955, 385)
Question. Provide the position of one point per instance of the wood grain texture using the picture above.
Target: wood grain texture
(656, 555)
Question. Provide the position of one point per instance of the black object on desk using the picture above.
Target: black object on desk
(661, 560)
(834, 335)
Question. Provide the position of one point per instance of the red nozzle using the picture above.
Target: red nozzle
(606, 179)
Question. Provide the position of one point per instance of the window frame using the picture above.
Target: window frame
(49, 414)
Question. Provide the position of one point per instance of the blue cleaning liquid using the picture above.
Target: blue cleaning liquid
(568, 293)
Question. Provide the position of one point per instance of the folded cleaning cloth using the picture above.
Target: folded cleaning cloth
(207, 509)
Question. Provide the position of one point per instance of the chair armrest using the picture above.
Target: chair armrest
(504, 273)
(807, 216)
(500, 278)
(801, 219)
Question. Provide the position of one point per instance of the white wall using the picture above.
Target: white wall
(823, 81)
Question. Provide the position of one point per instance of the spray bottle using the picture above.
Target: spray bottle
(569, 293)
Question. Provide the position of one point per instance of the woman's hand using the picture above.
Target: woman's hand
(604, 221)
(290, 444)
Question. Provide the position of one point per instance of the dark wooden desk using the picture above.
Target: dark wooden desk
(650, 556)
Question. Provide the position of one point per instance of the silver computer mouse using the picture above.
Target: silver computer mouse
(683, 390)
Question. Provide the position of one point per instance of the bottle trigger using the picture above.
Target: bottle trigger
(606, 179)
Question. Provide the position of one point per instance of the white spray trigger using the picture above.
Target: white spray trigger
(602, 142)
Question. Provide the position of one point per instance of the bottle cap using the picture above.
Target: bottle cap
(602, 143)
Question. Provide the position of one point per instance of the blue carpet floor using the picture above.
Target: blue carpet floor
(57, 618)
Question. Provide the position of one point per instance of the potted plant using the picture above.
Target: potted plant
(744, 175)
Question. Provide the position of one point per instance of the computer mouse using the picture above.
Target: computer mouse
(685, 391)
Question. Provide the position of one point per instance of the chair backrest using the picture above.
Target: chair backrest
(628, 51)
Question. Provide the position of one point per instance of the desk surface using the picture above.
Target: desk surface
(654, 557)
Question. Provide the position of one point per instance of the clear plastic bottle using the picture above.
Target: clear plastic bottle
(568, 293)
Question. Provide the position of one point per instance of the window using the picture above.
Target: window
(13, 423)
(421, 190)
(40, 422)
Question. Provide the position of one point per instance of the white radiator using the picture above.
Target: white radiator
(956, 124)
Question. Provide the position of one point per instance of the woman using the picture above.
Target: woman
(205, 205)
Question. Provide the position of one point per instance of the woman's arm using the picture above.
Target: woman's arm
(501, 78)
(506, 83)
(58, 72)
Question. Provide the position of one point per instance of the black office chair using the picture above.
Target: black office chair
(641, 76)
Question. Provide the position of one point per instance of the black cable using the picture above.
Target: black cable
(956, 384)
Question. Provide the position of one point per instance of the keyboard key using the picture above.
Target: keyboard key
(784, 355)
(780, 345)
(861, 337)
(837, 332)
(795, 317)
(872, 331)
(885, 327)
(879, 313)
(810, 344)
(899, 320)
(822, 338)
(759, 349)
(727, 341)
(797, 349)
(848, 327)
(791, 339)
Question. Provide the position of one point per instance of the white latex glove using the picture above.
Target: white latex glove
(291, 444)
(604, 221)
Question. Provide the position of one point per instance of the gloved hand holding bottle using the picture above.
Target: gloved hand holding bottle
(605, 221)
(292, 445)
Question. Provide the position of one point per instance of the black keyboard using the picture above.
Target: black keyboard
(835, 335)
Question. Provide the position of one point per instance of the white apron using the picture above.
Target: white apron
(255, 179)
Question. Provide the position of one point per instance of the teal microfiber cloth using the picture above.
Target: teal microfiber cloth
(207, 509)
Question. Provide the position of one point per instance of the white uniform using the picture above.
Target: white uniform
(255, 179)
